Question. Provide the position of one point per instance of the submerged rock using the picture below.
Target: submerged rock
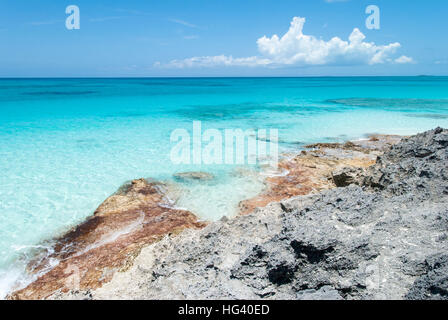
(193, 176)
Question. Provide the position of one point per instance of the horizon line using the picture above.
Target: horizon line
(216, 77)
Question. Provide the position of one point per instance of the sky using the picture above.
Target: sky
(183, 38)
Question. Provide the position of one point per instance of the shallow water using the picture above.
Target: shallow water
(67, 144)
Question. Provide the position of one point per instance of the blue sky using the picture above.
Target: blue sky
(222, 38)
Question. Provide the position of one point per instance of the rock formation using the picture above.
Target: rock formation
(322, 166)
(382, 235)
(385, 236)
(137, 215)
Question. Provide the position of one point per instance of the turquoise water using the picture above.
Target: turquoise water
(67, 144)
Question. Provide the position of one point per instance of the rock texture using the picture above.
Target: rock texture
(322, 166)
(384, 236)
(137, 215)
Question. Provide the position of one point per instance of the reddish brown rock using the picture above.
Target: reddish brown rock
(90, 254)
(311, 170)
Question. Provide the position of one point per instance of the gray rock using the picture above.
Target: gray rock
(417, 165)
(346, 176)
(384, 237)
(433, 284)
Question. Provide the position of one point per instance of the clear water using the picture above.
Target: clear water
(67, 144)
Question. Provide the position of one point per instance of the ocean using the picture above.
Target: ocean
(67, 144)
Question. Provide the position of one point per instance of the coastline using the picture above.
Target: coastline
(60, 164)
(141, 213)
(384, 236)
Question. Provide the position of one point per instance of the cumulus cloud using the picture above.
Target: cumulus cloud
(295, 48)
(404, 59)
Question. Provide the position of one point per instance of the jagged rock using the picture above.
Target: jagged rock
(346, 176)
(385, 237)
(418, 165)
(433, 284)
(367, 241)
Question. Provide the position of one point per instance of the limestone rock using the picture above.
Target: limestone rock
(382, 240)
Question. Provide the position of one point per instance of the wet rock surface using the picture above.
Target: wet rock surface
(384, 236)
(138, 214)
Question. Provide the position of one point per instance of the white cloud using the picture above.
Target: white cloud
(404, 59)
(214, 61)
(295, 48)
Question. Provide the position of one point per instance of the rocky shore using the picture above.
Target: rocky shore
(362, 220)
(138, 214)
